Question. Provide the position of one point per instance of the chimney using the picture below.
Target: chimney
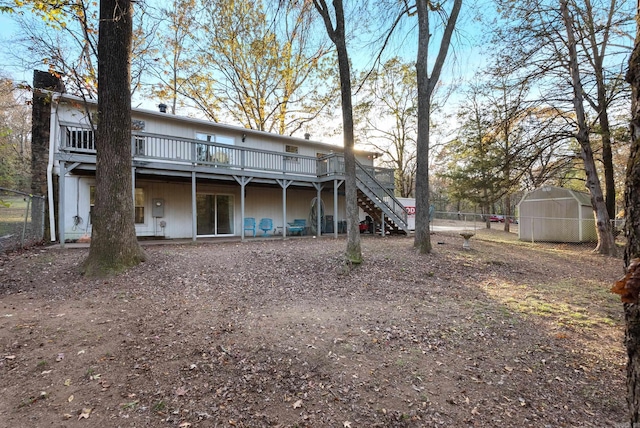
(162, 107)
(307, 135)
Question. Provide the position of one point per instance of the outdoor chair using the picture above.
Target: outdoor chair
(298, 226)
(250, 224)
(266, 224)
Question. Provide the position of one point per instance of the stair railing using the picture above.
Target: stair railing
(382, 194)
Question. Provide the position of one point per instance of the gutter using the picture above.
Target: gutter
(52, 138)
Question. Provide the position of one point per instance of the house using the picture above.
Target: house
(194, 178)
(556, 214)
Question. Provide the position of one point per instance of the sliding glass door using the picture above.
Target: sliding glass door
(214, 214)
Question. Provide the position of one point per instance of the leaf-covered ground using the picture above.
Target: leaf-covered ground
(282, 333)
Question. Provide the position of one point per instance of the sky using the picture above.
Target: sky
(8, 30)
(466, 57)
(361, 51)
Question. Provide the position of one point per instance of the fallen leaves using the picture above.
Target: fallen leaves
(383, 349)
(86, 412)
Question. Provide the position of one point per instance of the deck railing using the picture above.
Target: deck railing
(167, 149)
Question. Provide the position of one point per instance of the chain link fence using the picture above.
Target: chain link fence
(531, 229)
(21, 219)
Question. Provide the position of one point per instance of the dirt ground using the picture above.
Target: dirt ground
(281, 333)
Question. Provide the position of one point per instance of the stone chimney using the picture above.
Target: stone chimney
(40, 123)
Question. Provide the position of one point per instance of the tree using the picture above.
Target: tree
(244, 63)
(173, 60)
(426, 85)
(632, 248)
(63, 36)
(509, 111)
(114, 246)
(15, 147)
(595, 35)
(606, 240)
(337, 35)
(475, 158)
(535, 40)
(388, 112)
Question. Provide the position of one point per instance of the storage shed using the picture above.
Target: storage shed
(556, 214)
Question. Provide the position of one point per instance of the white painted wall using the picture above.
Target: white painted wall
(72, 111)
(260, 202)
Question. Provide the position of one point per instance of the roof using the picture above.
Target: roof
(222, 126)
(553, 192)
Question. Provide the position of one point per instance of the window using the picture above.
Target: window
(80, 139)
(92, 202)
(139, 144)
(291, 149)
(139, 206)
(205, 137)
(138, 209)
(211, 153)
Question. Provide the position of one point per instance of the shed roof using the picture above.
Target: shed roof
(553, 192)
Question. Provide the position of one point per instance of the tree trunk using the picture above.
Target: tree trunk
(632, 231)
(426, 85)
(606, 241)
(354, 250)
(114, 246)
(607, 161)
(422, 239)
(338, 37)
(601, 106)
(507, 212)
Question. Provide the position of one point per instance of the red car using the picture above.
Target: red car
(500, 218)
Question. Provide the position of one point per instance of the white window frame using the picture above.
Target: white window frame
(294, 150)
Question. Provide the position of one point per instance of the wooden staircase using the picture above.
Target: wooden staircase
(380, 204)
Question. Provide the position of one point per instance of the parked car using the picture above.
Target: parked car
(500, 218)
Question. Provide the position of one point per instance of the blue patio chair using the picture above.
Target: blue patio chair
(250, 224)
(298, 226)
(266, 224)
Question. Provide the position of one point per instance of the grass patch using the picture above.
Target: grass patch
(130, 406)
(567, 303)
(160, 406)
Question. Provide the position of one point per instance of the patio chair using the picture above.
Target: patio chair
(250, 224)
(298, 226)
(266, 224)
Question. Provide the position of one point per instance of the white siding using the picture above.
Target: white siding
(260, 202)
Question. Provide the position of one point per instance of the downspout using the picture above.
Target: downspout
(52, 139)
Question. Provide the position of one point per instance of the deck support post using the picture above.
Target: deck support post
(242, 181)
(133, 191)
(336, 186)
(318, 187)
(284, 184)
(61, 198)
(194, 208)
